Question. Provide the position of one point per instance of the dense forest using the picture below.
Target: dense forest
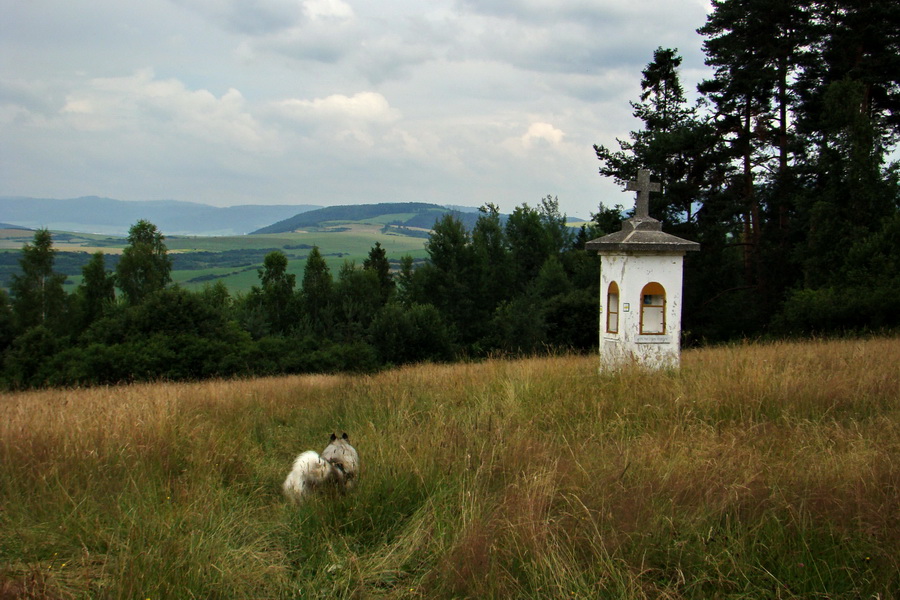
(783, 170)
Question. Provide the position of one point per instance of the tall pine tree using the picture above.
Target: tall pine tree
(757, 48)
(378, 263)
(317, 294)
(676, 144)
(97, 292)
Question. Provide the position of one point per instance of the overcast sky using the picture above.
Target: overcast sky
(328, 101)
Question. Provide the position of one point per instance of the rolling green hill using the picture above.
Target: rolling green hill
(418, 215)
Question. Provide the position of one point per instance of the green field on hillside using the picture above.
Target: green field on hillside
(233, 260)
(351, 243)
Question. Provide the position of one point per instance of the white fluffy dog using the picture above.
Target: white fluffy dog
(310, 472)
(337, 468)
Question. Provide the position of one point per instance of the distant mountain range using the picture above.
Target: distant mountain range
(107, 216)
(91, 214)
(11, 226)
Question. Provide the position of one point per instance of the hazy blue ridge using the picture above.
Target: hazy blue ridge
(92, 214)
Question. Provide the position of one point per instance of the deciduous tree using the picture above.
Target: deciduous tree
(38, 295)
(277, 293)
(145, 265)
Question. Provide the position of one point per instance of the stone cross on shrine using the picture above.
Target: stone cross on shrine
(643, 187)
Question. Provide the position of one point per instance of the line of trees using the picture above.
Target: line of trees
(782, 169)
(522, 285)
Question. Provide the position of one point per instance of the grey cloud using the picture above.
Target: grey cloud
(259, 17)
(579, 36)
(388, 58)
(311, 44)
(375, 49)
(253, 21)
(31, 97)
(544, 12)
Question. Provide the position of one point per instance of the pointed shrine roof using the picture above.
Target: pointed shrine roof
(641, 234)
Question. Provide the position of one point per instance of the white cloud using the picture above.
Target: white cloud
(327, 9)
(363, 107)
(545, 132)
(363, 118)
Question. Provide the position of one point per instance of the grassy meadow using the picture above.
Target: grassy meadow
(756, 471)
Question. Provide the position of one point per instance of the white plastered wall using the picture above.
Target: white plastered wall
(632, 272)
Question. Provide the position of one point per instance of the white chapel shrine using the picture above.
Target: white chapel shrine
(641, 273)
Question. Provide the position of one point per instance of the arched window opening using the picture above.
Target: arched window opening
(612, 308)
(653, 309)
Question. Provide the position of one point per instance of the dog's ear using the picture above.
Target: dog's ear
(333, 437)
(345, 436)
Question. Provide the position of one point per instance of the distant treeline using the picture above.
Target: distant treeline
(71, 263)
(525, 286)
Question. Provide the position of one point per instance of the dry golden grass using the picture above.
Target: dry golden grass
(768, 470)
